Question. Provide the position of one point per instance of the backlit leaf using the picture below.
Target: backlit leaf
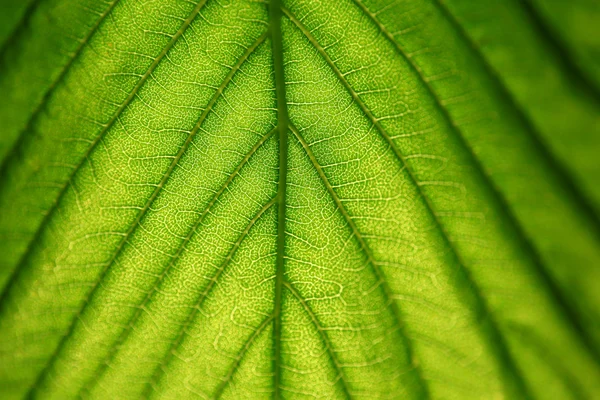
(300, 199)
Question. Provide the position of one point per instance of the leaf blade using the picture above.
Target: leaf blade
(423, 243)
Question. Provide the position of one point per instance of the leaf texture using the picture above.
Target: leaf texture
(299, 199)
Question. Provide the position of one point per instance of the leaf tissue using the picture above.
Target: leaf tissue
(300, 199)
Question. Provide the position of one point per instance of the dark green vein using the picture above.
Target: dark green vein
(386, 290)
(562, 176)
(561, 172)
(163, 364)
(19, 29)
(483, 308)
(238, 359)
(324, 338)
(282, 124)
(550, 358)
(48, 216)
(144, 210)
(125, 333)
(17, 147)
(564, 56)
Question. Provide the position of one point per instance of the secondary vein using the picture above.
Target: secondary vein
(387, 291)
(236, 364)
(95, 378)
(560, 171)
(324, 338)
(163, 364)
(20, 27)
(14, 153)
(483, 310)
(564, 56)
(142, 213)
(99, 138)
(380, 275)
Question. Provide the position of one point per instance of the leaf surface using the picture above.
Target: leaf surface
(343, 199)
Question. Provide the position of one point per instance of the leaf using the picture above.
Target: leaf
(342, 199)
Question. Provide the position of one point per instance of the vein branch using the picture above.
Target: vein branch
(147, 206)
(483, 308)
(324, 338)
(20, 28)
(386, 290)
(163, 364)
(564, 56)
(236, 364)
(99, 138)
(181, 248)
(561, 173)
(19, 143)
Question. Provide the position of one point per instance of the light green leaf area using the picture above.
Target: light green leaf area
(301, 199)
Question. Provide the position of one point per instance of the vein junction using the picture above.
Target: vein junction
(272, 202)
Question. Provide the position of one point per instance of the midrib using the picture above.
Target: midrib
(282, 125)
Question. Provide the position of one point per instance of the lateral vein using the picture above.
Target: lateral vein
(236, 364)
(324, 338)
(162, 365)
(14, 152)
(63, 190)
(145, 209)
(560, 171)
(386, 290)
(125, 333)
(484, 309)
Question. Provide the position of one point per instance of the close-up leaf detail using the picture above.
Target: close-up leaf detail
(302, 199)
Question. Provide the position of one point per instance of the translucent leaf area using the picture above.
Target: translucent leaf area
(300, 199)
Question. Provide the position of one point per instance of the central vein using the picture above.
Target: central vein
(282, 125)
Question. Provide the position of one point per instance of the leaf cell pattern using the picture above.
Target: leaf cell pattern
(298, 199)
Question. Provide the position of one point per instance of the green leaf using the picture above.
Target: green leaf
(301, 199)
